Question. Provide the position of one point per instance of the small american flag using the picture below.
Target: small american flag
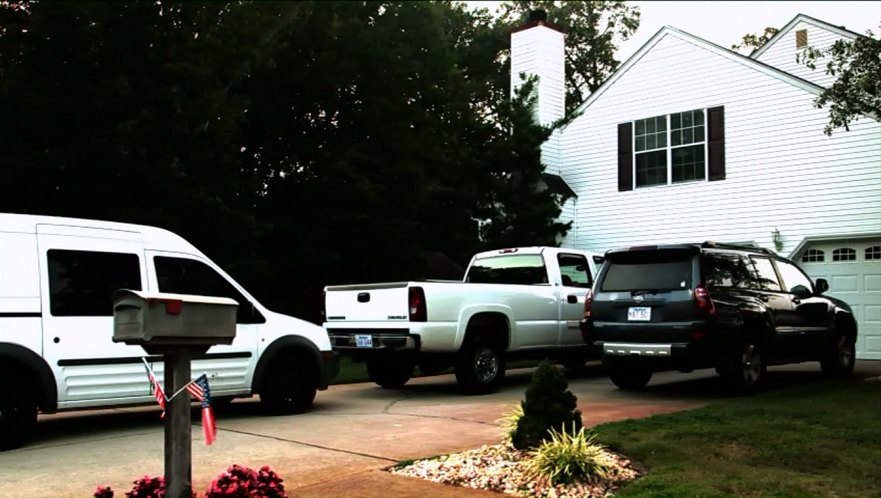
(199, 389)
(156, 388)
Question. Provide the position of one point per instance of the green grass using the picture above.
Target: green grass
(821, 440)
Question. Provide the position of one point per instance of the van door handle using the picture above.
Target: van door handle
(572, 299)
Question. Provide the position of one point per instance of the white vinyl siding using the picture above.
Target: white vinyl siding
(783, 52)
(782, 172)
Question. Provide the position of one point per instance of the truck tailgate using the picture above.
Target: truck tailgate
(367, 303)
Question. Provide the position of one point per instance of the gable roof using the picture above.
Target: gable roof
(838, 30)
(712, 47)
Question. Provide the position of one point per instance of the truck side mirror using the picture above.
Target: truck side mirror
(821, 285)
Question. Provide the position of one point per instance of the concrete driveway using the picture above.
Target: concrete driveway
(340, 447)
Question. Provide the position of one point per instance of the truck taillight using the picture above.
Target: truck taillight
(418, 310)
(588, 303)
(703, 303)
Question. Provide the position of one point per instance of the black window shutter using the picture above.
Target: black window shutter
(625, 157)
(716, 142)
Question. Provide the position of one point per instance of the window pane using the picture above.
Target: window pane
(688, 163)
(698, 118)
(188, 276)
(687, 135)
(844, 254)
(574, 270)
(525, 269)
(686, 119)
(650, 142)
(651, 168)
(766, 277)
(676, 138)
(662, 140)
(794, 280)
(640, 144)
(873, 253)
(674, 121)
(659, 270)
(640, 127)
(727, 270)
(650, 126)
(81, 283)
(699, 134)
(661, 122)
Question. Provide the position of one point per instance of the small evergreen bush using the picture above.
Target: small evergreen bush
(571, 457)
(509, 423)
(548, 404)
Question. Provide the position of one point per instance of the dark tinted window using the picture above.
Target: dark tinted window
(525, 269)
(766, 277)
(188, 276)
(726, 270)
(82, 282)
(574, 270)
(658, 270)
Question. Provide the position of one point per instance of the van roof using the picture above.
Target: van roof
(152, 237)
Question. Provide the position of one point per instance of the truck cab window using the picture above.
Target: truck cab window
(81, 283)
(189, 276)
(524, 269)
(574, 270)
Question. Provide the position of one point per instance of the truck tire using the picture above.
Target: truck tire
(841, 361)
(390, 372)
(629, 375)
(745, 369)
(18, 412)
(480, 366)
(289, 386)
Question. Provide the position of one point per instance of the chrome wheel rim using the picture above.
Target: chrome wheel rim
(751, 363)
(486, 365)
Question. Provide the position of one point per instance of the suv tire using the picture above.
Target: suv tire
(480, 366)
(745, 369)
(18, 411)
(289, 386)
(629, 376)
(390, 371)
(841, 363)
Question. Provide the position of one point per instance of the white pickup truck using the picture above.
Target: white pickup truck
(519, 302)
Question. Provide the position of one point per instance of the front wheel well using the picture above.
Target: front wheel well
(26, 366)
(289, 353)
(846, 325)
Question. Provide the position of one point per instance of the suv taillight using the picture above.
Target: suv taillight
(703, 303)
(588, 303)
(418, 310)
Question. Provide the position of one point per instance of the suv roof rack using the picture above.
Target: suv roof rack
(742, 247)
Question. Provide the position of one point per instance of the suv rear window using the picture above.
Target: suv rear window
(657, 270)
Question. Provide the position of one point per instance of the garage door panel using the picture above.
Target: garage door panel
(845, 283)
(872, 283)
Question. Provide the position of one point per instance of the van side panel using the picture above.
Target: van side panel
(20, 291)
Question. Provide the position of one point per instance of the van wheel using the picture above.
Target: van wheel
(289, 386)
(746, 369)
(480, 366)
(391, 371)
(841, 362)
(629, 376)
(18, 412)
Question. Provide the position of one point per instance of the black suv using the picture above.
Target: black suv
(690, 306)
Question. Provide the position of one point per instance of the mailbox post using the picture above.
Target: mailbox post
(176, 326)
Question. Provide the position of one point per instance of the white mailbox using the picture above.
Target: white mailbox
(172, 320)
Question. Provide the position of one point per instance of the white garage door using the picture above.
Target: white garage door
(853, 269)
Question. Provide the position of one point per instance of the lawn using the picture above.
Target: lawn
(819, 440)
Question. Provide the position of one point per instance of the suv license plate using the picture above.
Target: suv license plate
(364, 341)
(639, 314)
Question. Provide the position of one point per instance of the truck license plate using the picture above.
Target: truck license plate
(639, 314)
(364, 341)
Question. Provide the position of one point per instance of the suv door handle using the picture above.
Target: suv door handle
(572, 299)
(796, 300)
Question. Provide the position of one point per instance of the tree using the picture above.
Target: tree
(754, 41)
(856, 91)
(593, 29)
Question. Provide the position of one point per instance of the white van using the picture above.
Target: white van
(56, 323)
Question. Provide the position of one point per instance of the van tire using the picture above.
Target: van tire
(18, 411)
(629, 376)
(289, 386)
(390, 371)
(480, 366)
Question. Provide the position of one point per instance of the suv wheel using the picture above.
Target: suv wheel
(18, 412)
(289, 386)
(629, 376)
(841, 363)
(390, 371)
(480, 366)
(746, 369)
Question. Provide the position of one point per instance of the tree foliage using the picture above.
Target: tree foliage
(754, 41)
(856, 91)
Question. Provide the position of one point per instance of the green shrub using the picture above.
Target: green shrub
(548, 404)
(509, 423)
(570, 457)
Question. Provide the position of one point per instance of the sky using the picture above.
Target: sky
(725, 22)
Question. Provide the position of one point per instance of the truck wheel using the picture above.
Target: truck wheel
(841, 362)
(629, 376)
(480, 366)
(746, 368)
(390, 372)
(289, 386)
(18, 412)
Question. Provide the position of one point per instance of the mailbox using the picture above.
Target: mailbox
(160, 321)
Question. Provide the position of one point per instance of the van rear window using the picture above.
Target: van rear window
(659, 271)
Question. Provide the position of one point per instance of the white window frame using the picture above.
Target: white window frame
(669, 150)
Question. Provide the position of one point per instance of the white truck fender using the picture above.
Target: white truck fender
(468, 312)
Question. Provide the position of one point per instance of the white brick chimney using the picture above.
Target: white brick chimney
(539, 49)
